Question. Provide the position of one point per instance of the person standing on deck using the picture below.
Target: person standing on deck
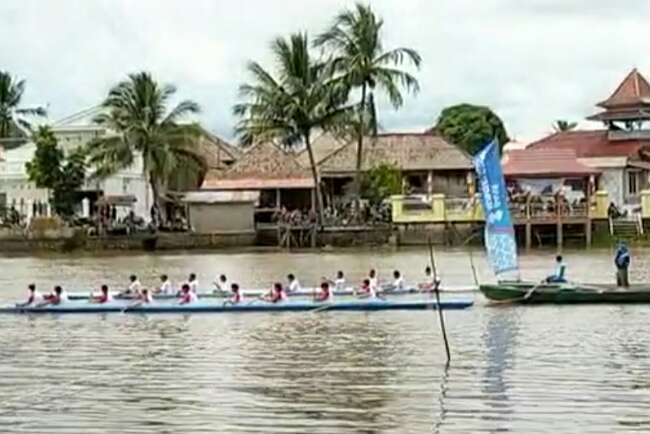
(294, 285)
(193, 283)
(622, 262)
(560, 271)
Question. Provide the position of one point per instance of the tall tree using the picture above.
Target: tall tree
(286, 107)
(355, 41)
(11, 112)
(470, 126)
(140, 122)
(51, 169)
(563, 125)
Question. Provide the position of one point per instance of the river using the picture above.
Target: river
(546, 369)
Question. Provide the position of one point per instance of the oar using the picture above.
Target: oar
(436, 284)
(321, 308)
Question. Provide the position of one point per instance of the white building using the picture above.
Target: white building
(71, 132)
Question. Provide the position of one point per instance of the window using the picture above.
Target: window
(633, 183)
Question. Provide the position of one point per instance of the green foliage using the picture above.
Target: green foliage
(470, 126)
(287, 105)
(354, 41)
(45, 168)
(136, 110)
(51, 170)
(11, 114)
(380, 182)
(563, 125)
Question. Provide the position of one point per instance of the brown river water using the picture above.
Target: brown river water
(545, 369)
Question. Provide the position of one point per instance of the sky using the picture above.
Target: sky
(531, 61)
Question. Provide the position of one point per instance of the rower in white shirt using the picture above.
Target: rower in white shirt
(193, 283)
(166, 286)
(373, 280)
(339, 282)
(398, 283)
(134, 285)
(294, 285)
(34, 298)
(222, 284)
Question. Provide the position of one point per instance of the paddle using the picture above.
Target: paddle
(436, 284)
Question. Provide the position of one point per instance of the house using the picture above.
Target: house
(428, 164)
(621, 150)
(274, 172)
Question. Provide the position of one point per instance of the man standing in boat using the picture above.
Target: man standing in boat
(622, 263)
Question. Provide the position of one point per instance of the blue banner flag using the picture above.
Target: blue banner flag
(499, 232)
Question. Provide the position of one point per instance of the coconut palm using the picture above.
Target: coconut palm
(355, 40)
(139, 121)
(286, 107)
(562, 125)
(11, 113)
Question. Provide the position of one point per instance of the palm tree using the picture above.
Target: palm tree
(360, 59)
(140, 123)
(287, 107)
(11, 113)
(562, 125)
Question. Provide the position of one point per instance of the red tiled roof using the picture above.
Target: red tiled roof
(547, 163)
(591, 144)
(633, 90)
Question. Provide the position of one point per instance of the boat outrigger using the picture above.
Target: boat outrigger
(80, 307)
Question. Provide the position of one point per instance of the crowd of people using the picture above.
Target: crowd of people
(369, 287)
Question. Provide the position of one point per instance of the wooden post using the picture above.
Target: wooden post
(588, 232)
(529, 225)
(560, 234)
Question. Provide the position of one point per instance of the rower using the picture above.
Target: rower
(366, 290)
(560, 269)
(277, 294)
(104, 296)
(56, 297)
(187, 295)
(166, 286)
(145, 296)
(428, 279)
(34, 296)
(294, 285)
(339, 282)
(372, 279)
(236, 296)
(222, 284)
(325, 293)
(134, 285)
(193, 283)
(398, 283)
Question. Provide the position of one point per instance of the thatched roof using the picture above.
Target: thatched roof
(263, 166)
(322, 146)
(414, 151)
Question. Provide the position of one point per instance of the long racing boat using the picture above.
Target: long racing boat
(81, 307)
(303, 292)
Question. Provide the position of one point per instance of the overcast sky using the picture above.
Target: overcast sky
(532, 61)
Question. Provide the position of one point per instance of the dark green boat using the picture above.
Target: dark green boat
(564, 293)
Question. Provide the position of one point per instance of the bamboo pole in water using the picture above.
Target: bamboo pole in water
(436, 285)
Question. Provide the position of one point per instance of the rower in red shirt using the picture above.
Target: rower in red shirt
(145, 296)
(236, 296)
(366, 290)
(56, 297)
(325, 293)
(104, 297)
(277, 294)
(187, 295)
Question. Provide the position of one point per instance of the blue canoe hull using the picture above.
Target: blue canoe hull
(206, 307)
